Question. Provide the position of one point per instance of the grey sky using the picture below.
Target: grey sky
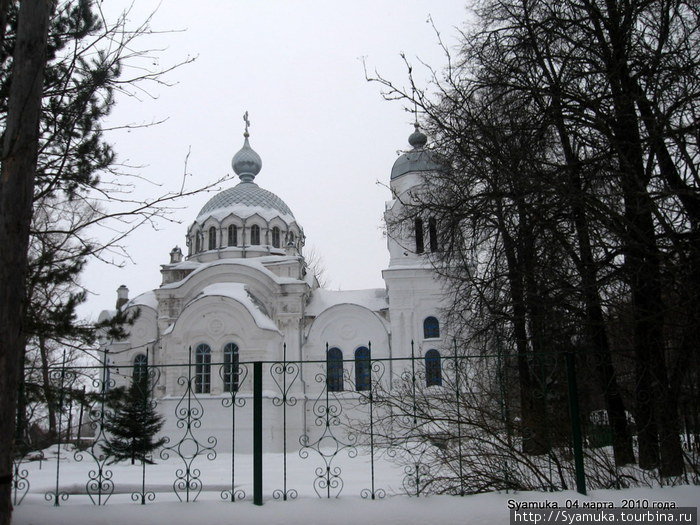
(325, 135)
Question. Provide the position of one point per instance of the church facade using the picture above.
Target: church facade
(243, 292)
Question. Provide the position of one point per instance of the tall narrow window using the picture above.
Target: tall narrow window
(140, 373)
(433, 368)
(197, 243)
(233, 235)
(202, 369)
(212, 238)
(291, 238)
(431, 328)
(255, 234)
(334, 370)
(231, 367)
(419, 236)
(432, 231)
(363, 364)
(276, 237)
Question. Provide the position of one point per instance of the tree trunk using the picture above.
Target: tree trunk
(19, 156)
(655, 403)
(642, 261)
(596, 332)
(531, 405)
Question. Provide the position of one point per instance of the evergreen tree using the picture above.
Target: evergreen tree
(133, 425)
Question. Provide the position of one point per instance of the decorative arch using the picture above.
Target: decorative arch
(433, 368)
(431, 328)
(334, 369)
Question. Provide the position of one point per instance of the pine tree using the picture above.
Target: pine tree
(133, 425)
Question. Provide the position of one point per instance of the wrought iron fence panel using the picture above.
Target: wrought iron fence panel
(329, 443)
(188, 448)
(66, 377)
(439, 420)
(240, 372)
(284, 376)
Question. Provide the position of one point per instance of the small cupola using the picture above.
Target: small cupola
(416, 159)
(246, 163)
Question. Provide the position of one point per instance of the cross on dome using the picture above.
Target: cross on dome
(246, 163)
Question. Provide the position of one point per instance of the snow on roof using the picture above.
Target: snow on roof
(105, 315)
(239, 293)
(145, 299)
(243, 212)
(184, 265)
(256, 263)
(374, 299)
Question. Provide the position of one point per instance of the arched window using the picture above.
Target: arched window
(419, 236)
(433, 368)
(212, 238)
(432, 231)
(255, 234)
(231, 367)
(362, 368)
(197, 243)
(140, 372)
(431, 328)
(276, 237)
(232, 235)
(334, 370)
(291, 237)
(202, 369)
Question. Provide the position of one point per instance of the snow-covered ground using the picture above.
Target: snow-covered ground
(307, 508)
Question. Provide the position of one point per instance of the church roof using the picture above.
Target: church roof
(246, 199)
(240, 293)
(417, 159)
(374, 299)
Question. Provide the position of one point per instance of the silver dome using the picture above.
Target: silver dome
(418, 159)
(246, 194)
(246, 163)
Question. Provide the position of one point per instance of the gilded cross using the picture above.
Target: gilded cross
(247, 123)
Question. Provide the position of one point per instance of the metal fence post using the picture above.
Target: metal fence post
(257, 434)
(575, 424)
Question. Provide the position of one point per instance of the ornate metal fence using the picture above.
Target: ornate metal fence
(449, 424)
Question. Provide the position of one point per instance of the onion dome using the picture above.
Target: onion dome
(417, 159)
(246, 163)
(417, 139)
(246, 198)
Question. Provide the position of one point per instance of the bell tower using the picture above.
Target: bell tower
(415, 292)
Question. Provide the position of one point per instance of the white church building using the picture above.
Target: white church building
(244, 293)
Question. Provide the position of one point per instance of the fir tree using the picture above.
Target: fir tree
(133, 426)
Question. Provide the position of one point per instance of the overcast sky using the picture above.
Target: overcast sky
(326, 137)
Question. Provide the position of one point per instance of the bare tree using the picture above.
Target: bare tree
(570, 191)
(19, 156)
